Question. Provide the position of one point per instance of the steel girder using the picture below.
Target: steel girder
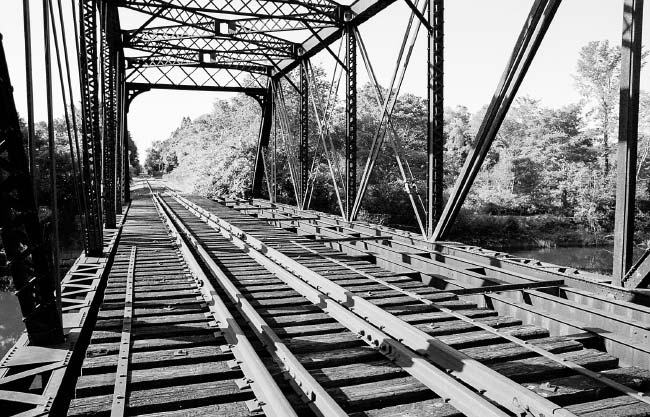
(435, 128)
(304, 134)
(28, 253)
(248, 16)
(91, 143)
(627, 140)
(190, 77)
(195, 44)
(350, 120)
(121, 148)
(109, 99)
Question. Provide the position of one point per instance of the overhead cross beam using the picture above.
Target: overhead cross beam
(248, 16)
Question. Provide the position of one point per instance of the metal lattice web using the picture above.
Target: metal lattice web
(231, 45)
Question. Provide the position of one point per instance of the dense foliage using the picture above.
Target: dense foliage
(556, 166)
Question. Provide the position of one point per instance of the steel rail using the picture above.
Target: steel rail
(482, 257)
(458, 272)
(270, 398)
(447, 248)
(319, 400)
(456, 264)
(452, 391)
(490, 383)
(516, 340)
(383, 255)
(617, 342)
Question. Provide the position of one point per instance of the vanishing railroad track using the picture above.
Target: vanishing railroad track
(221, 313)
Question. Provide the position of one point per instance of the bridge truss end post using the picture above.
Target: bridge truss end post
(631, 57)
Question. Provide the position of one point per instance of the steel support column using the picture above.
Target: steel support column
(350, 119)
(125, 123)
(435, 135)
(119, 140)
(263, 141)
(304, 134)
(631, 58)
(91, 144)
(537, 23)
(124, 133)
(28, 253)
(108, 134)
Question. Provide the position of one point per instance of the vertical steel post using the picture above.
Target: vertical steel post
(125, 122)
(531, 36)
(435, 136)
(51, 140)
(108, 134)
(91, 143)
(30, 96)
(266, 103)
(627, 139)
(304, 133)
(350, 117)
(119, 140)
(28, 253)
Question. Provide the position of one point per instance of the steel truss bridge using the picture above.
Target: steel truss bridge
(263, 48)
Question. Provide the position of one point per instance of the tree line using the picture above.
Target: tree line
(550, 172)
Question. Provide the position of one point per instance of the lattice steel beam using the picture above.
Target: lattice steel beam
(285, 10)
(350, 120)
(108, 62)
(304, 133)
(205, 39)
(188, 77)
(266, 16)
(91, 143)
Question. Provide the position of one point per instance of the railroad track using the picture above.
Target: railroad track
(185, 354)
(336, 334)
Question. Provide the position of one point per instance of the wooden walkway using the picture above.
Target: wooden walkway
(244, 308)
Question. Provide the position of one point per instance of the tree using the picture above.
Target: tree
(154, 163)
(134, 159)
(597, 79)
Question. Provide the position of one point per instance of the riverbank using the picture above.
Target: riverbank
(509, 233)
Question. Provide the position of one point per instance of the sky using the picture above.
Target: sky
(479, 37)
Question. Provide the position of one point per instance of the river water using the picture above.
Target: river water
(11, 324)
(592, 259)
